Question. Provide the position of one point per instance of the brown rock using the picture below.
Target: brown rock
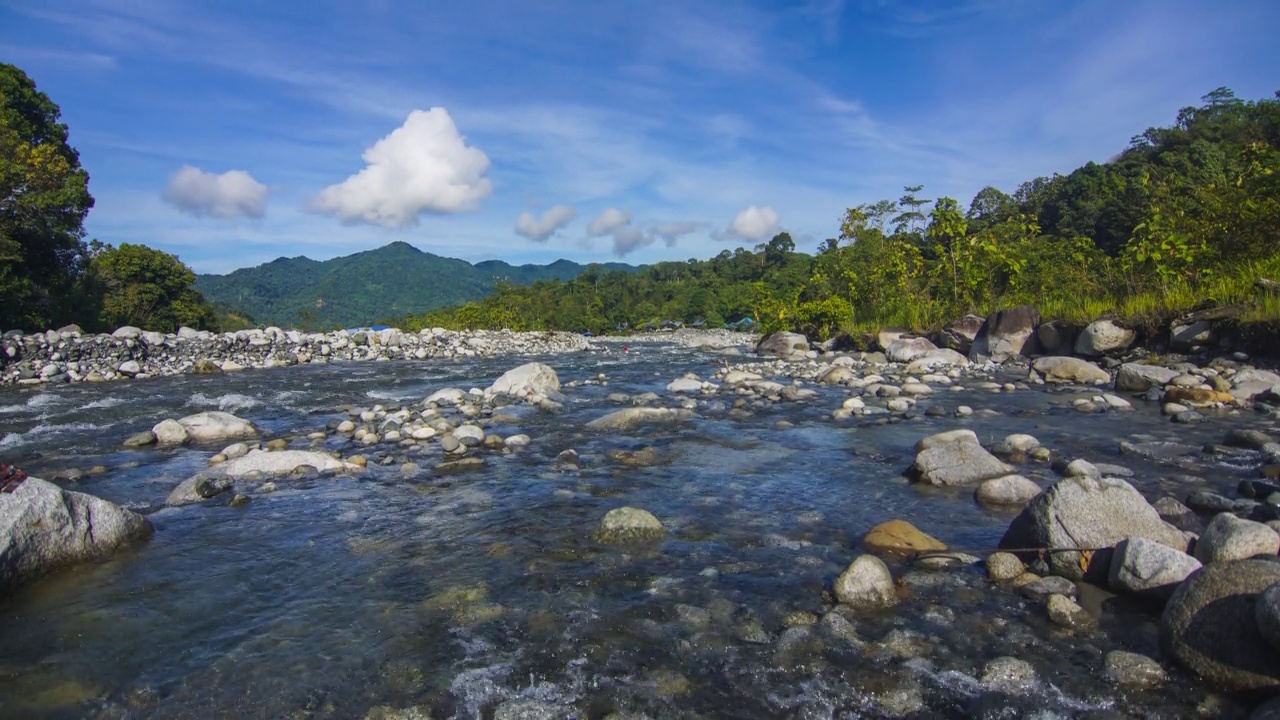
(1196, 397)
(898, 538)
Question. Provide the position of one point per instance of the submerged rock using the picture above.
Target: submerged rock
(631, 417)
(44, 528)
(629, 524)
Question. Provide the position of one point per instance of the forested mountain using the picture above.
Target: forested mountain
(364, 288)
(1187, 215)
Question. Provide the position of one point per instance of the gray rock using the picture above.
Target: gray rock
(1065, 612)
(1003, 672)
(959, 333)
(953, 458)
(631, 417)
(1040, 590)
(1267, 615)
(1210, 626)
(127, 332)
(905, 350)
(469, 435)
(1132, 669)
(866, 584)
(1088, 513)
(1007, 333)
(1104, 337)
(1185, 337)
(1250, 383)
(140, 439)
(198, 488)
(1136, 377)
(629, 524)
(1007, 491)
(1148, 569)
(1003, 566)
(783, 345)
(1230, 538)
(129, 368)
(215, 425)
(527, 380)
(44, 528)
(1246, 438)
(1070, 370)
(1056, 336)
(170, 432)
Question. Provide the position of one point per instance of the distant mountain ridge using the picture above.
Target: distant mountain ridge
(361, 289)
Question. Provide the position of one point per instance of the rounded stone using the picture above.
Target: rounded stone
(898, 538)
(1003, 566)
(866, 583)
(1210, 626)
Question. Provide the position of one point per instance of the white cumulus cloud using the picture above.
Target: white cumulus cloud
(424, 165)
(538, 229)
(628, 238)
(204, 194)
(608, 221)
(754, 223)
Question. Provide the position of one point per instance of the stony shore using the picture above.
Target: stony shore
(69, 355)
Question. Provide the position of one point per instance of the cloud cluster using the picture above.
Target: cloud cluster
(628, 238)
(539, 229)
(756, 224)
(424, 165)
(232, 194)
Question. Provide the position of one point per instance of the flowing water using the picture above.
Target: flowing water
(464, 591)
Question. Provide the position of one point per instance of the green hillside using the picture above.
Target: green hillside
(364, 288)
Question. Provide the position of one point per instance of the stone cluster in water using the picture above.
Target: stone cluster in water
(69, 355)
(1206, 562)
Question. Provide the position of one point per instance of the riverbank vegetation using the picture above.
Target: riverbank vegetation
(1185, 217)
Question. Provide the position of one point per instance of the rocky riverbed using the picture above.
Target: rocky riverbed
(662, 526)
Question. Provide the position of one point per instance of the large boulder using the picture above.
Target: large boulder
(783, 344)
(1104, 337)
(1056, 337)
(905, 350)
(1135, 377)
(216, 425)
(956, 458)
(1062, 369)
(1231, 538)
(1007, 333)
(1090, 514)
(1250, 382)
(631, 417)
(1210, 626)
(1011, 491)
(43, 528)
(959, 333)
(1146, 568)
(530, 379)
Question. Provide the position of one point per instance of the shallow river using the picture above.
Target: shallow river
(461, 592)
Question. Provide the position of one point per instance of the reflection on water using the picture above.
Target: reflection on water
(461, 592)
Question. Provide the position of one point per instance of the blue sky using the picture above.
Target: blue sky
(231, 134)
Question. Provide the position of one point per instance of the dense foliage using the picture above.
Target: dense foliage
(1186, 214)
(49, 276)
(359, 289)
(44, 197)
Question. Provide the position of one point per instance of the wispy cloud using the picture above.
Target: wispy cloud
(542, 227)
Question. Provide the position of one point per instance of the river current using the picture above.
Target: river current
(469, 592)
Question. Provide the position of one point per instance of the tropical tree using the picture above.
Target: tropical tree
(44, 197)
(147, 288)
